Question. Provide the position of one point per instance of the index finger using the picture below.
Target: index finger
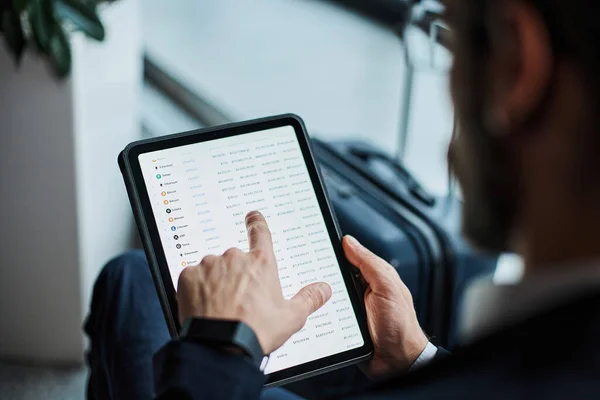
(259, 235)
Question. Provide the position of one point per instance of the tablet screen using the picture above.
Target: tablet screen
(200, 194)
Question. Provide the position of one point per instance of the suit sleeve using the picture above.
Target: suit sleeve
(441, 353)
(187, 371)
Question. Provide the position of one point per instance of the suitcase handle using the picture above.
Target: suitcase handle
(413, 186)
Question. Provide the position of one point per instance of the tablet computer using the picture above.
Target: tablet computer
(190, 193)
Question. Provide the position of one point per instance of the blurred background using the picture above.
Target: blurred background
(107, 73)
(337, 64)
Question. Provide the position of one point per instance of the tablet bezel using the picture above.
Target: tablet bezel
(136, 187)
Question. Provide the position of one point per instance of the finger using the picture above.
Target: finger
(209, 260)
(259, 236)
(374, 269)
(187, 277)
(309, 299)
(187, 290)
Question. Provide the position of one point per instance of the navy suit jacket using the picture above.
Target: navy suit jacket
(553, 355)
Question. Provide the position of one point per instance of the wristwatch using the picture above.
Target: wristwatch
(223, 334)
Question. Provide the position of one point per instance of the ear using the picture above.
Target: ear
(522, 62)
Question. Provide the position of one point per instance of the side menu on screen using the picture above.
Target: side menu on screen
(200, 194)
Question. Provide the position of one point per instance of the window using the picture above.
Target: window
(341, 70)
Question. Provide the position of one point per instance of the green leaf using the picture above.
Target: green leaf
(41, 20)
(13, 34)
(20, 5)
(82, 15)
(60, 51)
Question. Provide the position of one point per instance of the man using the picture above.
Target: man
(526, 92)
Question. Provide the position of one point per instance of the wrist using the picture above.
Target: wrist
(407, 352)
(414, 348)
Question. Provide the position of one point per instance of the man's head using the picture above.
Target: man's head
(526, 87)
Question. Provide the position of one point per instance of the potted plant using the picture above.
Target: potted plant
(43, 25)
(68, 105)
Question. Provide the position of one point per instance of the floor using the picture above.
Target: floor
(35, 383)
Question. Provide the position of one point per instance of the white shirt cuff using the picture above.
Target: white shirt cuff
(425, 358)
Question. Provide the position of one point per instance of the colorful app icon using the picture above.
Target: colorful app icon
(163, 193)
(183, 263)
(168, 211)
(171, 219)
(173, 228)
(166, 202)
(158, 176)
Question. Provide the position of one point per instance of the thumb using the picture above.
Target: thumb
(374, 269)
(309, 299)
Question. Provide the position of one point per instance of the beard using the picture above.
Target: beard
(486, 173)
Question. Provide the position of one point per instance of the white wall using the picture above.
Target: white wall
(108, 88)
(63, 211)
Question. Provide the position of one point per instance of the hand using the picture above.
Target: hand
(245, 287)
(398, 339)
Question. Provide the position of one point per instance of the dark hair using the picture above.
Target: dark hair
(573, 26)
(574, 30)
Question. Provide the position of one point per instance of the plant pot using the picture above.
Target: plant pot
(63, 207)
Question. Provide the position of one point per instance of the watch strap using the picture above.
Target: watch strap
(215, 332)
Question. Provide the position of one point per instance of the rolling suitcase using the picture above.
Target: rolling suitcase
(380, 203)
